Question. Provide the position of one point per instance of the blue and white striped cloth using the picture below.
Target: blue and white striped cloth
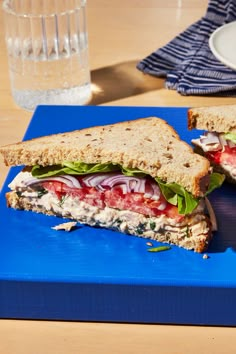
(187, 62)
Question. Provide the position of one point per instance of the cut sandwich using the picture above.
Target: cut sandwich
(218, 143)
(136, 177)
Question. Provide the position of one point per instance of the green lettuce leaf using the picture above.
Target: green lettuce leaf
(81, 168)
(216, 180)
(231, 136)
(173, 193)
(132, 172)
(72, 168)
(177, 195)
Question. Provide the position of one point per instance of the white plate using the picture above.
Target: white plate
(222, 43)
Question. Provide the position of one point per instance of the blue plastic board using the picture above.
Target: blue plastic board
(93, 274)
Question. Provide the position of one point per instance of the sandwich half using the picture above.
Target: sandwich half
(218, 143)
(136, 177)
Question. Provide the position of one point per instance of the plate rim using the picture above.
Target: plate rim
(213, 47)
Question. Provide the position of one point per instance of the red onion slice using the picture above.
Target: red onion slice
(156, 191)
(133, 184)
(116, 179)
(103, 181)
(140, 185)
(123, 187)
(94, 180)
(152, 191)
(222, 140)
(210, 138)
(162, 206)
(70, 181)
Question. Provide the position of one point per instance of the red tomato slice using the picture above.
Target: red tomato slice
(55, 187)
(115, 198)
(89, 195)
(228, 155)
(138, 203)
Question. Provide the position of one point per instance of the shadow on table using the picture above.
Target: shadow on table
(223, 202)
(120, 81)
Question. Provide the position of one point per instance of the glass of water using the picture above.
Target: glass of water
(47, 46)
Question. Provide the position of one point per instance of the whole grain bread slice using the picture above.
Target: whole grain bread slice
(220, 119)
(148, 144)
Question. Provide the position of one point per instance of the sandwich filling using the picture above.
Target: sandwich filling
(111, 185)
(111, 189)
(220, 149)
(107, 195)
(133, 205)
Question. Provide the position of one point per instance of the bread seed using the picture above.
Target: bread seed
(205, 256)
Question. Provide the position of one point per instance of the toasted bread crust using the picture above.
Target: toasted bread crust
(148, 144)
(215, 118)
(173, 235)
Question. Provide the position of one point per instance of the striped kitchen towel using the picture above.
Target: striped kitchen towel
(187, 62)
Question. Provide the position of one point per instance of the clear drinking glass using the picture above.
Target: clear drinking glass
(47, 47)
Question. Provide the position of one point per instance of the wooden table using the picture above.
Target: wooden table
(120, 34)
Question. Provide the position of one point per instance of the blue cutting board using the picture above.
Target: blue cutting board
(93, 274)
